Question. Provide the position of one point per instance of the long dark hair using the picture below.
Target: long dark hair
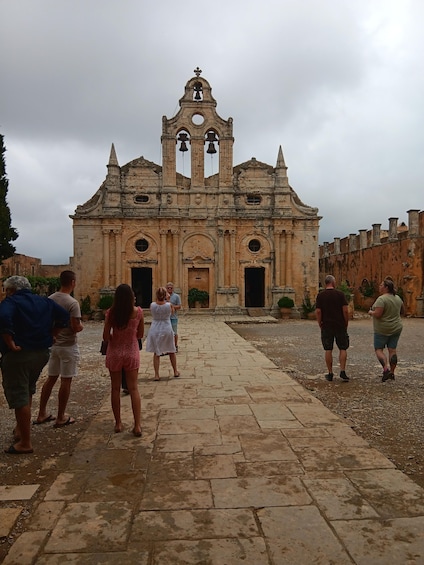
(122, 307)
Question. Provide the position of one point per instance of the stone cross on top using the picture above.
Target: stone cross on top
(197, 71)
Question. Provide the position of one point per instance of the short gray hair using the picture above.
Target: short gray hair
(17, 283)
(329, 279)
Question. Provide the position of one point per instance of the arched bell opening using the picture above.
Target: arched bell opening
(211, 153)
(183, 153)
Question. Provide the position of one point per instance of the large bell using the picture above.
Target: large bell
(198, 89)
(211, 147)
(211, 137)
(183, 138)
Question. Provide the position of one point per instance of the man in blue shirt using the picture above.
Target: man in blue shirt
(28, 323)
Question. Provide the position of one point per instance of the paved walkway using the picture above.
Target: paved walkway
(238, 464)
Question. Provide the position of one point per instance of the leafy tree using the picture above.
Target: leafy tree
(7, 233)
(43, 285)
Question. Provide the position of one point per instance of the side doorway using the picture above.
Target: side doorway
(254, 287)
(141, 282)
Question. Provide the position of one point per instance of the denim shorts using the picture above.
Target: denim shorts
(328, 337)
(390, 341)
(21, 370)
(174, 324)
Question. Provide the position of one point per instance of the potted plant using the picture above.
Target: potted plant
(197, 296)
(308, 308)
(104, 303)
(285, 304)
(85, 307)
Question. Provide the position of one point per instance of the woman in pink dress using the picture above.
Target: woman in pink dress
(124, 325)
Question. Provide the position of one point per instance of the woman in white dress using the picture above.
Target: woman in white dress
(160, 339)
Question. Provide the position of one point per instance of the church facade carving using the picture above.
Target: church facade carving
(240, 233)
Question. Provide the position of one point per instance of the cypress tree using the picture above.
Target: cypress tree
(7, 233)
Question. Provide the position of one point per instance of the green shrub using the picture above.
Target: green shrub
(308, 306)
(44, 285)
(197, 295)
(86, 306)
(105, 302)
(346, 289)
(368, 288)
(285, 302)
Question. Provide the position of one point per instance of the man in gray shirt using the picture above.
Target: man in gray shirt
(64, 355)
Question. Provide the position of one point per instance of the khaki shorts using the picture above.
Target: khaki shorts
(64, 361)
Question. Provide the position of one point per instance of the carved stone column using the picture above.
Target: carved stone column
(289, 265)
(283, 259)
(197, 163)
(220, 262)
(118, 262)
(163, 255)
(175, 263)
(233, 277)
(277, 258)
(106, 257)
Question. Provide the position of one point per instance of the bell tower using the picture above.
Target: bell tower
(197, 127)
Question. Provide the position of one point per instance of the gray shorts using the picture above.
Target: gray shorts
(64, 361)
(21, 370)
(174, 324)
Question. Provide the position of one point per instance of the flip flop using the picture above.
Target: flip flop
(68, 422)
(13, 451)
(45, 421)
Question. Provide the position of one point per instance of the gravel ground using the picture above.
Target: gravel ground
(388, 415)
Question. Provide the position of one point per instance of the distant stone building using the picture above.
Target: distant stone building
(22, 265)
(27, 266)
(364, 259)
(242, 234)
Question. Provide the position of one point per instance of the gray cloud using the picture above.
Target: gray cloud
(336, 83)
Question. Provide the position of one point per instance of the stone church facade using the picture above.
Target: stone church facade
(242, 233)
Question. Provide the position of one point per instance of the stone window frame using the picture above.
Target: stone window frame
(256, 244)
(253, 199)
(141, 199)
(142, 245)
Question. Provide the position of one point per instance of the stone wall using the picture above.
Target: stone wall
(366, 258)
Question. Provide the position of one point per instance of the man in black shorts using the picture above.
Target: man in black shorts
(333, 319)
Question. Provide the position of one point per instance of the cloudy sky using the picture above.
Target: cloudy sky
(339, 84)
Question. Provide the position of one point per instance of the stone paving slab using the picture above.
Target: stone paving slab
(17, 492)
(237, 464)
(8, 517)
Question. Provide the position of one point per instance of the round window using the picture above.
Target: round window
(197, 119)
(254, 245)
(141, 244)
